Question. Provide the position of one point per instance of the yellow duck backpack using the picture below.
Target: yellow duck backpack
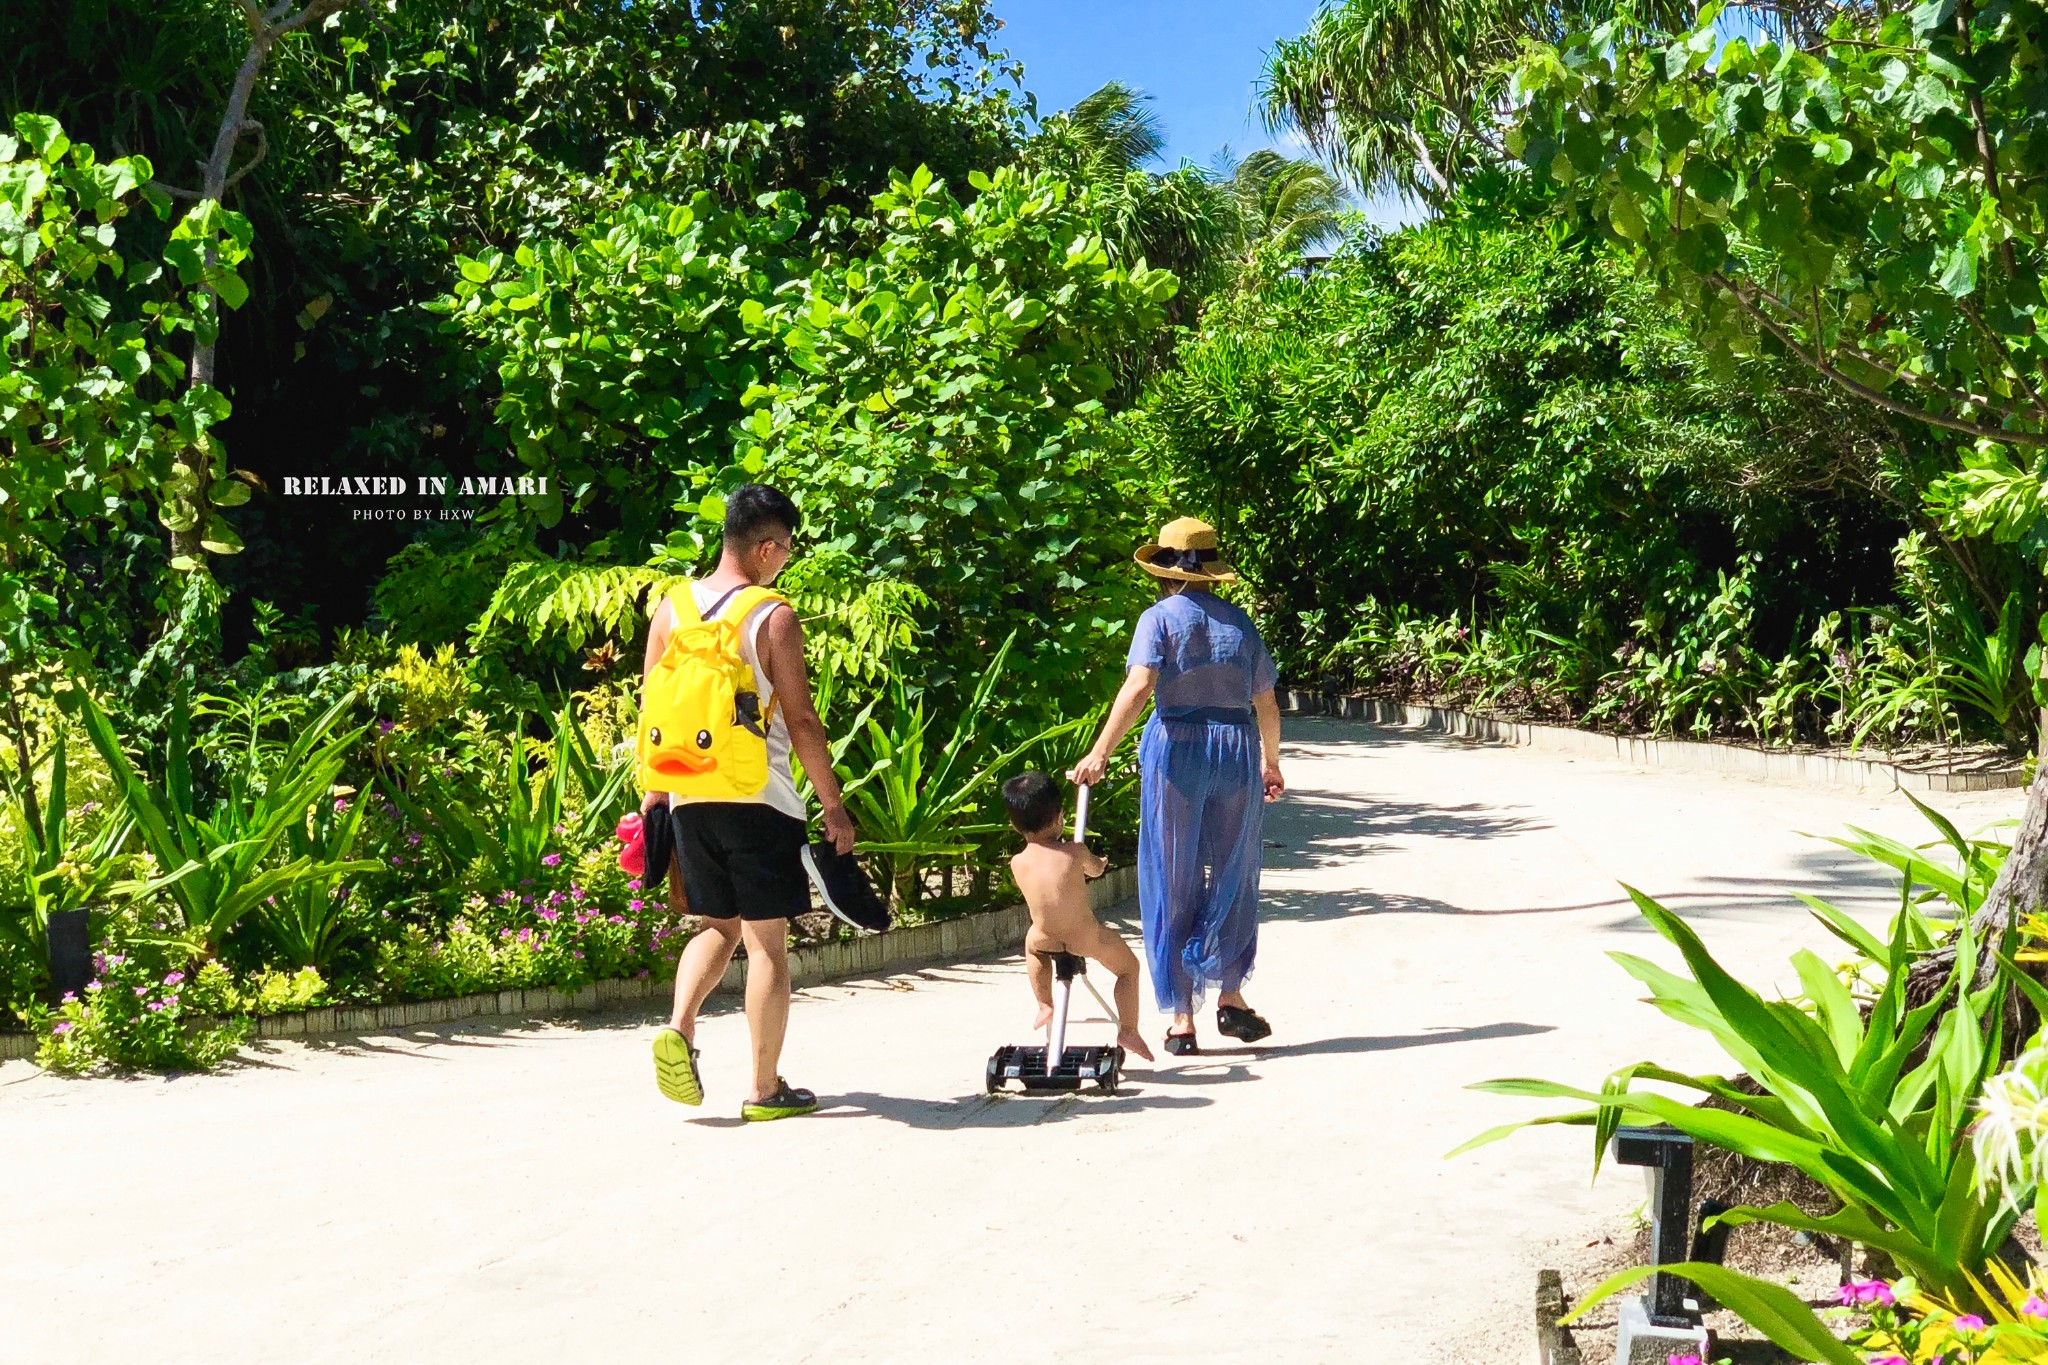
(703, 732)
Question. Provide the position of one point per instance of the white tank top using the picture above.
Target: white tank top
(780, 791)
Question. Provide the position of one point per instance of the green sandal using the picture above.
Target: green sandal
(786, 1103)
(675, 1068)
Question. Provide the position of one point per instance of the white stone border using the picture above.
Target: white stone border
(1780, 765)
(968, 936)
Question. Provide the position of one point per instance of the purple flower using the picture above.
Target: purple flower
(142, 990)
(551, 860)
(385, 727)
(397, 861)
(174, 978)
(633, 884)
(117, 959)
(579, 952)
(526, 881)
(641, 973)
(340, 804)
(550, 915)
(636, 905)
(1865, 1292)
(618, 919)
(1687, 1359)
(1969, 1322)
(2034, 1307)
(155, 1005)
(413, 837)
(1896, 1360)
(70, 997)
(88, 808)
(526, 935)
(576, 891)
(99, 962)
(61, 1026)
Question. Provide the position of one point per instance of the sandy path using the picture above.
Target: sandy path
(1438, 915)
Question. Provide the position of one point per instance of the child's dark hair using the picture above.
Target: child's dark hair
(1034, 802)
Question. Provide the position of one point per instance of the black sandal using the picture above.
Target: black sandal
(1181, 1044)
(1241, 1024)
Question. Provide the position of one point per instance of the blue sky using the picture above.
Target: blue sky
(1200, 60)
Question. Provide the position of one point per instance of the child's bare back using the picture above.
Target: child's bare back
(1052, 873)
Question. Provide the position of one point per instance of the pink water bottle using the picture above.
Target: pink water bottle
(633, 857)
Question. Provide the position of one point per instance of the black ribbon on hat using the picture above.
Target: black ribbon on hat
(1187, 561)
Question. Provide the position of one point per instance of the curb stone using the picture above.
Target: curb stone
(982, 934)
(1684, 755)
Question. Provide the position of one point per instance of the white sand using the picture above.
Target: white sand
(1439, 915)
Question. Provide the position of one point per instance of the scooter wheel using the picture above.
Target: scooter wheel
(1111, 1075)
(995, 1080)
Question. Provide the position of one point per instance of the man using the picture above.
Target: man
(742, 859)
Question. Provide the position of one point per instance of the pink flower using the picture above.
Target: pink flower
(70, 997)
(61, 1026)
(618, 919)
(174, 978)
(1865, 1292)
(1893, 1360)
(1687, 1359)
(1969, 1322)
(551, 860)
(142, 990)
(155, 1005)
(550, 915)
(633, 884)
(636, 905)
(2035, 1307)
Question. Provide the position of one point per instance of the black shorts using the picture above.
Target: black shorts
(741, 858)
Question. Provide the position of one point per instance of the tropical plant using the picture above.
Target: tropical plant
(214, 857)
(518, 832)
(63, 868)
(916, 794)
(308, 923)
(1875, 1109)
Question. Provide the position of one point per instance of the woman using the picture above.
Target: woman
(1208, 756)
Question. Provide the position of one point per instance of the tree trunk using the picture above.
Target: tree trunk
(265, 28)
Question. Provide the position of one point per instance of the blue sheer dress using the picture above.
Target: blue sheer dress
(1202, 805)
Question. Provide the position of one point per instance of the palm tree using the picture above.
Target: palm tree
(1282, 201)
(1183, 220)
(1201, 224)
(1403, 95)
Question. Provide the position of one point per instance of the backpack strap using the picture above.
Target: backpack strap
(744, 603)
(683, 601)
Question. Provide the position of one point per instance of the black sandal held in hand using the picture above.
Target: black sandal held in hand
(1181, 1044)
(1241, 1024)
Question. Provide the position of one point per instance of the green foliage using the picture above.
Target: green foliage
(942, 415)
(1866, 203)
(91, 414)
(518, 832)
(213, 855)
(62, 866)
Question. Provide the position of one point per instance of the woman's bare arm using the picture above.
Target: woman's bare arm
(1267, 708)
(1123, 714)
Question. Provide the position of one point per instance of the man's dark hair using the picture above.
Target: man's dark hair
(754, 512)
(1034, 803)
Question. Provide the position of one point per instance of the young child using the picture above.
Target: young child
(1052, 872)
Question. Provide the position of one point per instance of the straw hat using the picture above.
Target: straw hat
(1186, 550)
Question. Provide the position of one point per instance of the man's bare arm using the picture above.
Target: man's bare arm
(782, 659)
